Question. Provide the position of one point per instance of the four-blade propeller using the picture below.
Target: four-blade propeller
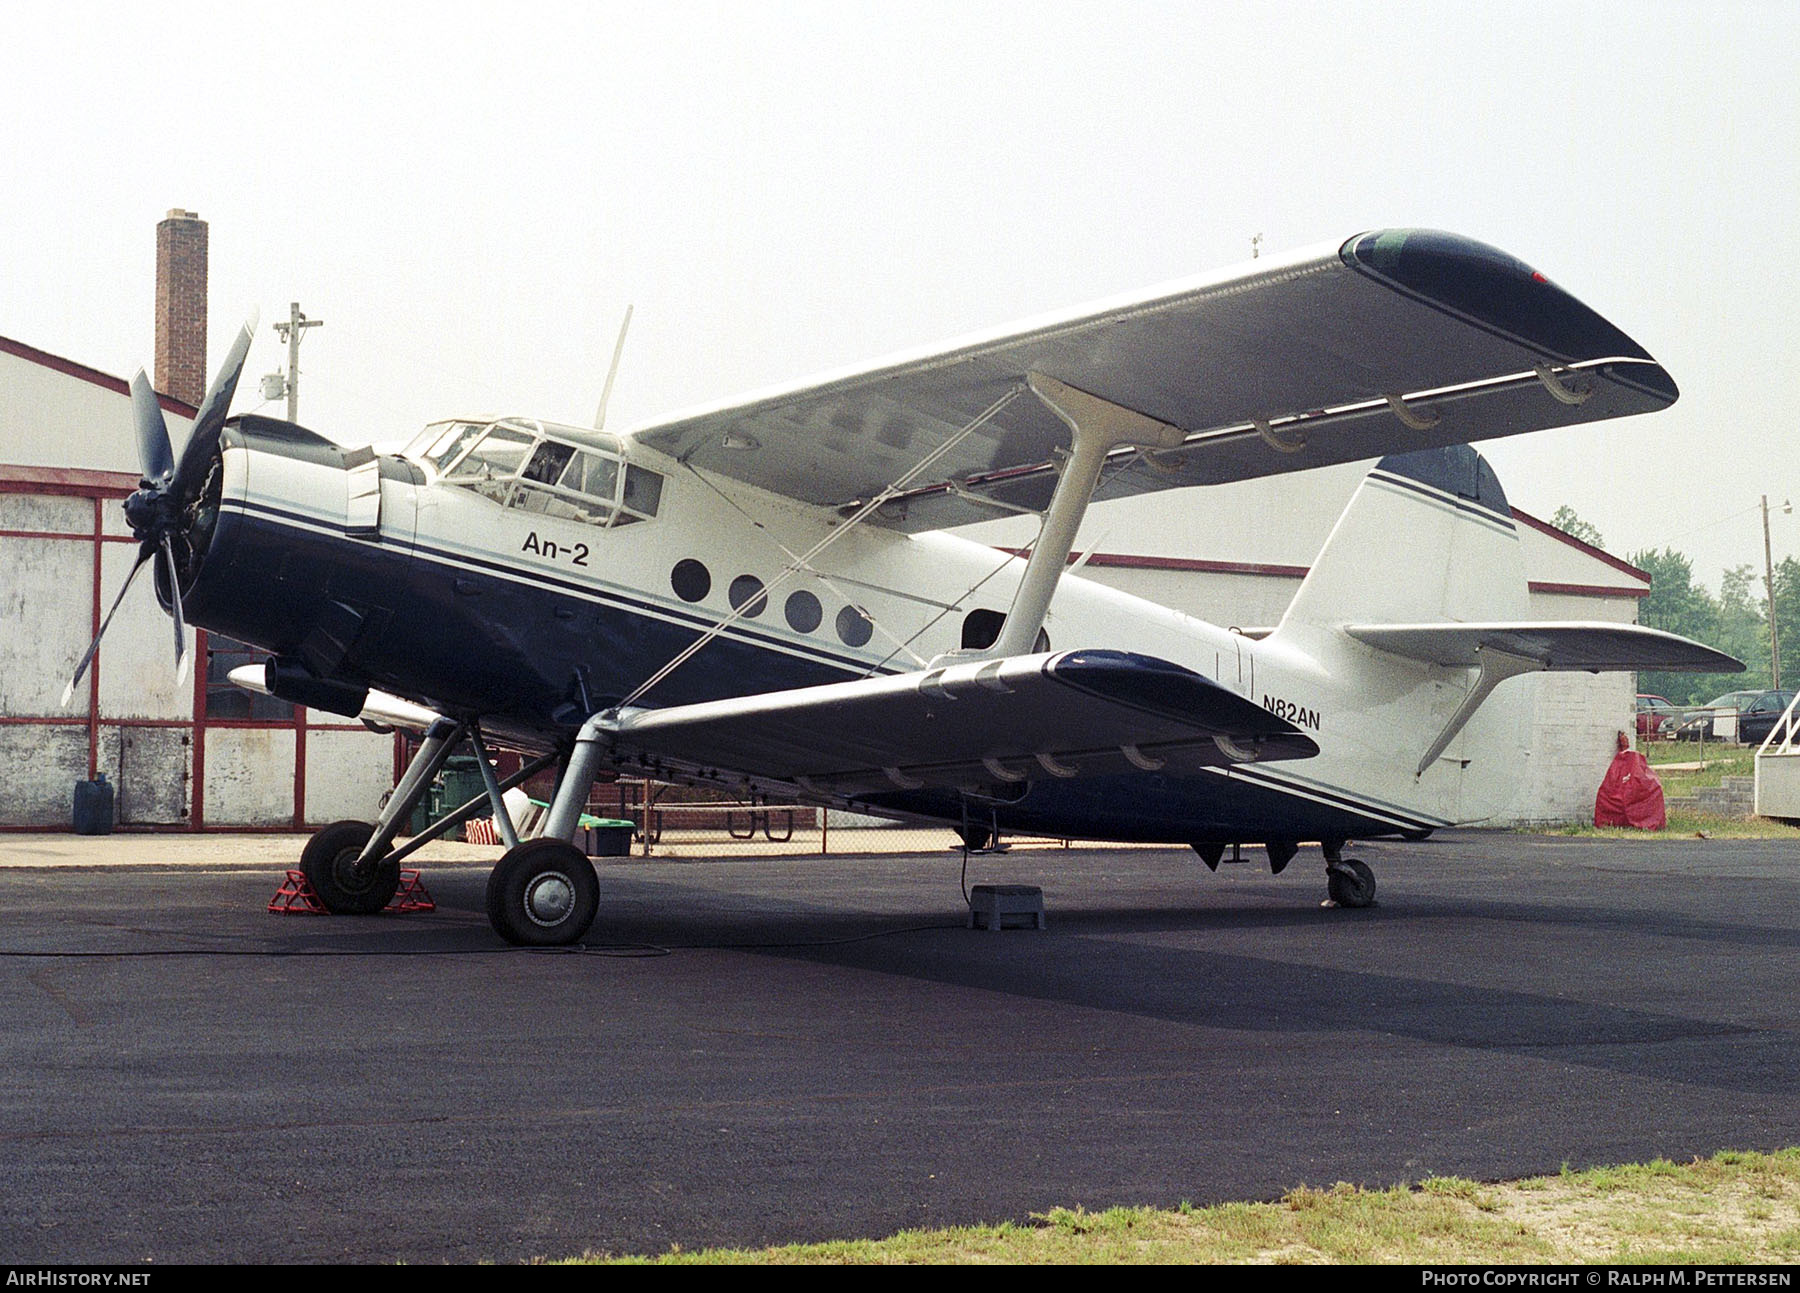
(162, 509)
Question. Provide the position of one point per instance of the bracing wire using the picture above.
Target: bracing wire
(805, 560)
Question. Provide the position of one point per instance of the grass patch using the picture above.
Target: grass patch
(1733, 1208)
(1682, 825)
(1721, 761)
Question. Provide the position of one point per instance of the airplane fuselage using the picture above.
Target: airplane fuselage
(446, 596)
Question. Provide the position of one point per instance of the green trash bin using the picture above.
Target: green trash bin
(458, 781)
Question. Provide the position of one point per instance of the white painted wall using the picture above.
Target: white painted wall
(50, 418)
(346, 775)
(249, 777)
(39, 766)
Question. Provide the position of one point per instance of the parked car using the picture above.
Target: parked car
(1743, 716)
(1716, 720)
(1652, 713)
(1757, 718)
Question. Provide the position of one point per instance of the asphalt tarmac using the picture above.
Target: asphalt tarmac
(779, 1050)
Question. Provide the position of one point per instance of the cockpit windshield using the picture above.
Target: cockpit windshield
(542, 467)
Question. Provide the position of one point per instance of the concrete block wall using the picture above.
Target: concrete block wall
(1576, 720)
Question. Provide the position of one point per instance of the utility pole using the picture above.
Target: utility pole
(291, 332)
(1769, 585)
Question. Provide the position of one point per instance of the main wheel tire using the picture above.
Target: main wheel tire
(1350, 884)
(542, 894)
(329, 863)
(1423, 833)
(976, 838)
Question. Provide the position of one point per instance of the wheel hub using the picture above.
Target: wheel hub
(344, 871)
(549, 899)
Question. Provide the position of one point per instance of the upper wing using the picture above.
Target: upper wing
(974, 725)
(1567, 647)
(1394, 341)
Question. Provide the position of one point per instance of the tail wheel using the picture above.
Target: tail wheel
(329, 863)
(542, 894)
(1350, 883)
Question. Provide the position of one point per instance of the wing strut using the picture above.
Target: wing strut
(1496, 667)
(1096, 428)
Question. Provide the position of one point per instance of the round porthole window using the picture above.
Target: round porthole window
(746, 595)
(853, 627)
(803, 612)
(691, 580)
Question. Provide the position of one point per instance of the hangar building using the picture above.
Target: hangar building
(201, 756)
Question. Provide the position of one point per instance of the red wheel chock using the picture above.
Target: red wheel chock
(411, 895)
(296, 896)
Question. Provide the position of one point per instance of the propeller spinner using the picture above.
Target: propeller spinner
(161, 510)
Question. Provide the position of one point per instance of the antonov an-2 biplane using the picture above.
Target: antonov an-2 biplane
(760, 594)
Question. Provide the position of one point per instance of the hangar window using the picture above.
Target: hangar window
(541, 467)
(225, 699)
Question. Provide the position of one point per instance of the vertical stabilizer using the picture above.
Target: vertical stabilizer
(1428, 538)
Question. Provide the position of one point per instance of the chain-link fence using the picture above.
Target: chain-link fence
(654, 819)
(669, 821)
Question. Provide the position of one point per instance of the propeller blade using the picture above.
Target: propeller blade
(154, 454)
(211, 418)
(145, 551)
(168, 556)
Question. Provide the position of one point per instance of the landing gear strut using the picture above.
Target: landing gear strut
(355, 869)
(1349, 882)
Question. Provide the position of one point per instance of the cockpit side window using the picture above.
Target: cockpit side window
(547, 463)
(499, 453)
(593, 475)
(643, 490)
(518, 465)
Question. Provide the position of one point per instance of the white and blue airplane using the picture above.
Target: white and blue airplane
(759, 594)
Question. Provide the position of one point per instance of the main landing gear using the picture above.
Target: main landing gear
(542, 892)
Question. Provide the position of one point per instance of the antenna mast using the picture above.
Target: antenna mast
(612, 372)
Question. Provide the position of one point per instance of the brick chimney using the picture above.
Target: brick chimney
(181, 306)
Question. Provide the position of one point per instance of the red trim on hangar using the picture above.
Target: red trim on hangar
(105, 488)
(93, 376)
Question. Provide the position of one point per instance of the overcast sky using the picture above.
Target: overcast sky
(470, 195)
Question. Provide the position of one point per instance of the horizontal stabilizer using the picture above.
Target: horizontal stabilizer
(976, 726)
(1559, 647)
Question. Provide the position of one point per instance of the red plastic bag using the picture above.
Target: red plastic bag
(1630, 795)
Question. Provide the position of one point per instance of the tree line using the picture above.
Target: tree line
(1735, 621)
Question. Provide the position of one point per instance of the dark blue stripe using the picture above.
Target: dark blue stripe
(741, 629)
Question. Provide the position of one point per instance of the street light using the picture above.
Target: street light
(1769, 586)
